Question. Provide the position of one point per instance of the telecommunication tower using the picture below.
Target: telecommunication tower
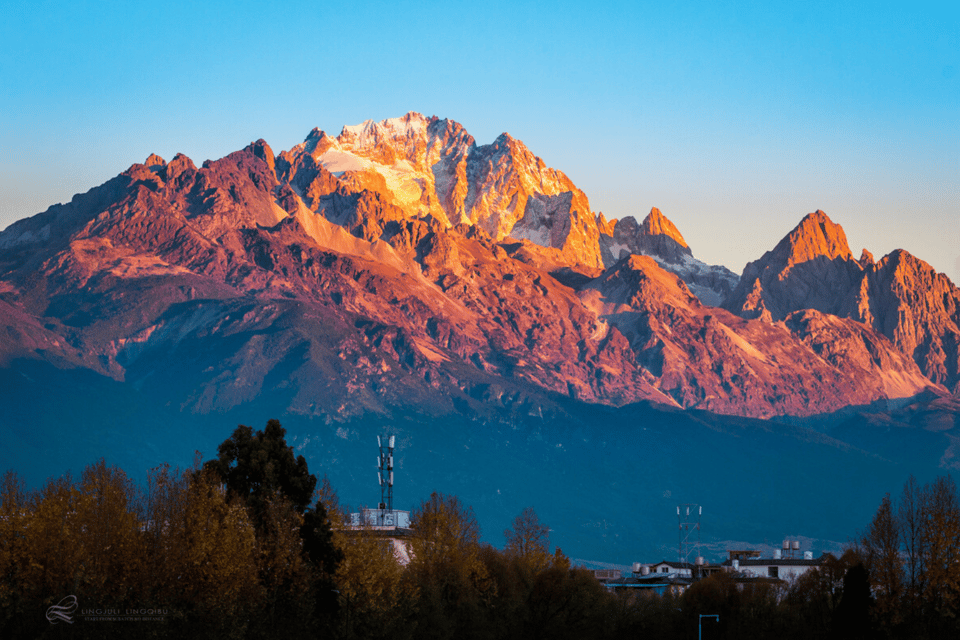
(688, 517)
(384, 514)
(385, 464)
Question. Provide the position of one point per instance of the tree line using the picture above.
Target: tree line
(250, 545)
(912, 552)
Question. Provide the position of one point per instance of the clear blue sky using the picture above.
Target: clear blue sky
(735, 119)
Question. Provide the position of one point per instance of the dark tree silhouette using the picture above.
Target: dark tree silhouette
(260, 469)
(851, 620)
(256, 465)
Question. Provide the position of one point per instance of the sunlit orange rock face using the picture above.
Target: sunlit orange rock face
(658, 237)
(433, 167)
(400, 264)
(656, 224)
(811, 268)
(711, 359)
(900, 296)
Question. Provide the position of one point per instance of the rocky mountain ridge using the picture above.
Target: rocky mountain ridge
(659, 238)
(400, 264)
(899, 296)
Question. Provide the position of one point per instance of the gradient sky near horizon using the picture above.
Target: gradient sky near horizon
(735, 119)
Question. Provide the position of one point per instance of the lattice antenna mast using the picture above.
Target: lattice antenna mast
(688, 517)
(385, 464)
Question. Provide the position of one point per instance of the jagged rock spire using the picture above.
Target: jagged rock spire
(657, 224)
(816, 236)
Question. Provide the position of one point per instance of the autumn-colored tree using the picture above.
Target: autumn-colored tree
(164, 514)
(456, 590)
(444, 529)
(108, 529)
(559, 559)
(882, 557)
(810, 601)
(71, 539)
(514, 572)
(202, 551)
(911, 525)
(52, 549)
(567, 603)
(529, 541)
(649, 615)
(287, 577)
(912, 552)
(941, 542)
(13, 518)
(327, 495)
(508, 614)
(375, 596)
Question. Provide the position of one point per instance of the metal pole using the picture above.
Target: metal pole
(700, 623)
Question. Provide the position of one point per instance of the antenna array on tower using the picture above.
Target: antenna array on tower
(688, 516)
(385, 475)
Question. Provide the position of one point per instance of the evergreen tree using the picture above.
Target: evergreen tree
(254, 465)
(260, 469)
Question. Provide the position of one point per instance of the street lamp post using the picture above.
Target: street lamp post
(700, 623)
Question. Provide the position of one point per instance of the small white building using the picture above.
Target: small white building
(679, 569)
(751, 565)
(390, 524)
(381, 518)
